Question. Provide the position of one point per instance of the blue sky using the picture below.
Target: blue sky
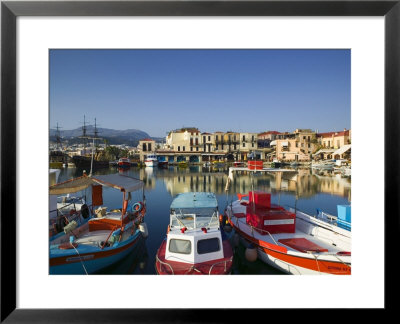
(215, 90)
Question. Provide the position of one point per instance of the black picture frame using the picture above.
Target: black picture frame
(10, 10)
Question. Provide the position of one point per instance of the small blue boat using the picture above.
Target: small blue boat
(105, 239)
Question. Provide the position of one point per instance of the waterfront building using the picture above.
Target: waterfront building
(219, 142)
(334, 145)
(264, 139)
(324, 154)
(147, 145)
(184, 140)
(207, 142)
(334, 140)
(248, 144)
(231, 145)
(299, 146)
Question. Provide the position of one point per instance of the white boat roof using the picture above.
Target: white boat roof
(190, 200)
(118, 181)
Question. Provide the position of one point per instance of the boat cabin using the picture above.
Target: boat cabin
(194, 234)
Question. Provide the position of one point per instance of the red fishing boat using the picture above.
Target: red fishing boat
(288, 239)
(195, 242)
(124, 163)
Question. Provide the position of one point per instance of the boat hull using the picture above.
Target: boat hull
(296, 253)
(124, 165)
(150, 163)
(84, 162)
(91, 261)
(278, 258)
(213, 267)
(163, 164)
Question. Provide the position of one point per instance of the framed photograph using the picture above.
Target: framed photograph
(347, 54)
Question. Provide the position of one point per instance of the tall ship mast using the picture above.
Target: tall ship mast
(90, 162)
(56, 156)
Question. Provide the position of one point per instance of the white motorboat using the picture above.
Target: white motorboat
(288, 239)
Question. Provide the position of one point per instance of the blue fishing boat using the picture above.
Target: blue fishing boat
(105, 239)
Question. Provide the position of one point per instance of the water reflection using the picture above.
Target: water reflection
(309, 190)
(303, 184)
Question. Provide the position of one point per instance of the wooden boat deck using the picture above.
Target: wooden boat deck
(93, 238)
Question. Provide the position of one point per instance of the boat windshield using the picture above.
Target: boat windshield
(194, 218)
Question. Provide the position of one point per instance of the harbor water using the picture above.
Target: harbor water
(307, 191)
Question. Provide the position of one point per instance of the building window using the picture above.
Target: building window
(183, 148)
(149, 146)
(191, 148)
(179, 148)
(216, 137)
(244, 138)
(252, 144)
(244, 144)
(204, 138)
(197, 148)
(209, 138)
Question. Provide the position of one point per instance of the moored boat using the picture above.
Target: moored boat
(105, 239)
(238, 164)
(195, 242)
(124, 163)
(182, 164)
(151, 160)
(218, 163)
(276, 164)
(288, 239)
(86, 162)
(162, 164)
(324, 165)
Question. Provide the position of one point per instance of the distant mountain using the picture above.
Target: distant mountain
(129, 136)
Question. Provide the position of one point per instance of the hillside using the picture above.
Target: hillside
(129, 137)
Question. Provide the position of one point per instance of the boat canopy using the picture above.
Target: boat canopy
(117, 181)
(195, 200)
